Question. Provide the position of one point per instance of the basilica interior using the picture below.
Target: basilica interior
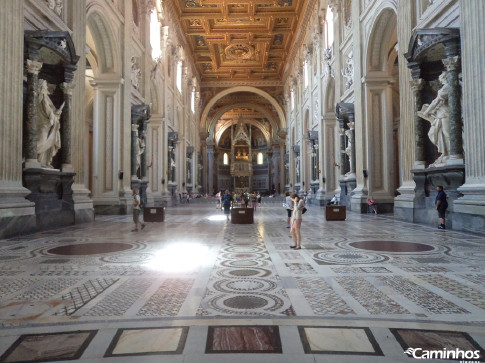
(356, 100)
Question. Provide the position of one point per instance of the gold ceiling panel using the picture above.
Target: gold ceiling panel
(246, 40)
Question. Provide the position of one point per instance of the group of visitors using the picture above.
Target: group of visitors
(295, 208)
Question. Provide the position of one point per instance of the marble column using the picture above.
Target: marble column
(270, 162)
(452, 65)
(343, 158)
(469, 210)
(66, 130)
(17, 214)
(351, 125)
(31, 115)
(419, 134)
(165, 160)
(134, 140)
(282, 168)
(210, 169)
(143, 156)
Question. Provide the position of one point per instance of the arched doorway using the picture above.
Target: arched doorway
(382, 110)
(102, 100)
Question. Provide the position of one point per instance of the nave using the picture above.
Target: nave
(196, 288)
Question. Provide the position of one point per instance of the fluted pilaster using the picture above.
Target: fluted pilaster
(473, 64)
(469, 210)
(406, 125)
(11, 61)
(17, 215)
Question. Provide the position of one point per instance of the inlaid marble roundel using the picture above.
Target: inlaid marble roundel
(392, 246)
(87, 249)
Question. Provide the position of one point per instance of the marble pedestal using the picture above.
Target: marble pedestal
(51, 191)
(451, 177)
(347, 185)
(143, 192)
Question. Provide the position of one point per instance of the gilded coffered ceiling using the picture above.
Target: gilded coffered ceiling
(245, 41)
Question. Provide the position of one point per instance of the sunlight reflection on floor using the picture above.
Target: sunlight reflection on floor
(179, 257)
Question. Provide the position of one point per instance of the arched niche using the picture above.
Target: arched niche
(100, 34)
(204, 121)
(384, 31)
(255, 123)
(264, 112)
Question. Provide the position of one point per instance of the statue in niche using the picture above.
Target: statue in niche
(49, 136)
(56, 6)
(135, 73)
(348, 149)
(140, 149)
(437, 113)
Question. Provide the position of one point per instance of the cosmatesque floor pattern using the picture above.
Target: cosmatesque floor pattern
(196, 288)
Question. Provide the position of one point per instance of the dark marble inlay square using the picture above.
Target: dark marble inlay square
(437, 340)
(243, 339)
(49, 347)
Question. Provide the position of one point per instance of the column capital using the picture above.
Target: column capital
(452, 63)
(33, 66)
(67, 88)
(417, 84)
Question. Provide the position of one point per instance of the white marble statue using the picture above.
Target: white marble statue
(348, 71)
(56, 6)
(49, 136)
(437, 113)
(140, 149)
(135, 73)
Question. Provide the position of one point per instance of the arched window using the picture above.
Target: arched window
(155, 35)
(192, 101)
(260, 158)
(226, 159)
(179, 76)
(329, 28)
(305, 74)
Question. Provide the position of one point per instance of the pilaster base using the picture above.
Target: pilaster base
(320, 198)
(17, 214)
(83, 205)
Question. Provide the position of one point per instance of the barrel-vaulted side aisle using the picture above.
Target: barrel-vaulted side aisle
(196, 288)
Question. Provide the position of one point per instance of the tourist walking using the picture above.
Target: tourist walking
(254, 201)
(296, 219)
(227, 200)
(441, 206)
(136, 210)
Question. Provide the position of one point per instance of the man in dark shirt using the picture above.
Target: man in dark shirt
(441, 205)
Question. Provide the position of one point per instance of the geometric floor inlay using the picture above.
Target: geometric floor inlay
(243, 339)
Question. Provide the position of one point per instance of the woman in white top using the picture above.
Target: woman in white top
(296, 219)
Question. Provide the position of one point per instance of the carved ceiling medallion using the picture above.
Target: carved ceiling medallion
(238, 51)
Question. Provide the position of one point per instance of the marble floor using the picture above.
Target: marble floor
(196, 288)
